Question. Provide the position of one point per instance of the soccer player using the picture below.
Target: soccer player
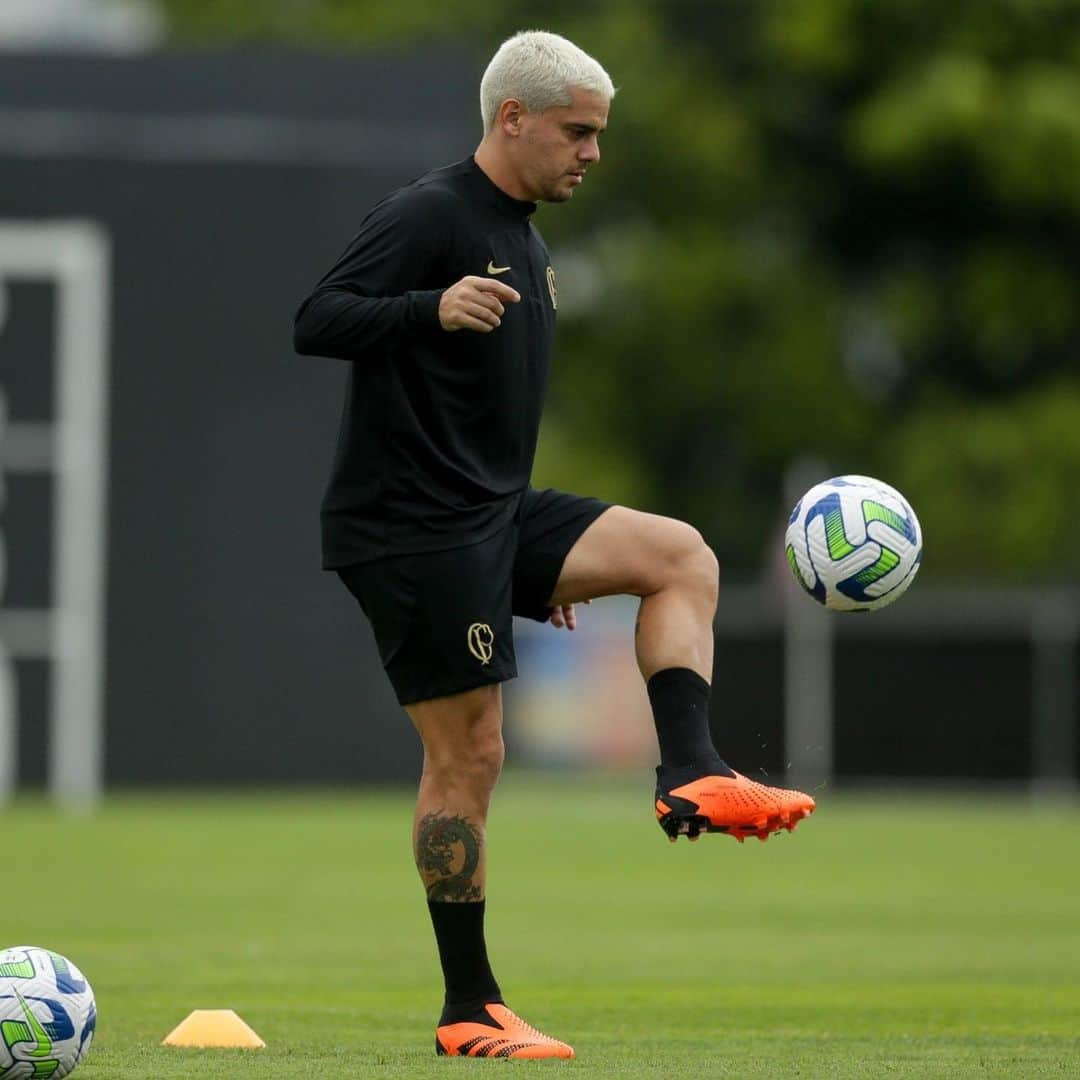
(444, 305)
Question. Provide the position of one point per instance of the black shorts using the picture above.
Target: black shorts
(442, 620)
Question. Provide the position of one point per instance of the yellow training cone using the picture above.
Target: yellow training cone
(213, 1028)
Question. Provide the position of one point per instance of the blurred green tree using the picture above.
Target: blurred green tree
(846, 230)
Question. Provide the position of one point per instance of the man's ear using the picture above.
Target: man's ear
(510, 113)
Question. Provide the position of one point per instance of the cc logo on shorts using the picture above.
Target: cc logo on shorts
(481, 638)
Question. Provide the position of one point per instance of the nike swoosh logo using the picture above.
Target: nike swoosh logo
(41, 1037)
(493, 269)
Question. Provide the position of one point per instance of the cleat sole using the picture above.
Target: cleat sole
(693, 826)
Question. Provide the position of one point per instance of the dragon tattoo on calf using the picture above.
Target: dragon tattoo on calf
(438, 837)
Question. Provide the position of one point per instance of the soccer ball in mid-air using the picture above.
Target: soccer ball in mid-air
(47, 1014)
(854, 543)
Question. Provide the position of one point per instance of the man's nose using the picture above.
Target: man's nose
(590, 150)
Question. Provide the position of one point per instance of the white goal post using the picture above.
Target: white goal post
(74, 256)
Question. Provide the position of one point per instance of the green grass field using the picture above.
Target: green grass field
(900, 936)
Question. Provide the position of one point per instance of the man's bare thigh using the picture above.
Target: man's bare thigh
(623, 552)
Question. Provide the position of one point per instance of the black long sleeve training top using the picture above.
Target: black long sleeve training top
(439, 429)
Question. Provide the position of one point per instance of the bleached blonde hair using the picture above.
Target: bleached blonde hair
(538, 69)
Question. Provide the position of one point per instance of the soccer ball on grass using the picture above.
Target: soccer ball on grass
(854, 543)
(47, 1014)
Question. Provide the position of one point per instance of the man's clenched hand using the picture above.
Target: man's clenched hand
(475, 303)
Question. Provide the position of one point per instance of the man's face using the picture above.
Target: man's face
(559, 144)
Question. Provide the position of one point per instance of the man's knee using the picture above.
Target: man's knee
(480, 760)
(689, 561)
(704, 568)
(464, 746)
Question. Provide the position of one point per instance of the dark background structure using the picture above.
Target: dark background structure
(227, 183)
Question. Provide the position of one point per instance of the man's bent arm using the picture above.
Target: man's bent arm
(339, 322)
(371, 297)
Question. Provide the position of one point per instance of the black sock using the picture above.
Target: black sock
(680, 704)
(459, 932)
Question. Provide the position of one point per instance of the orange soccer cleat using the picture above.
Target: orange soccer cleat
(502, 1035)
(688, 805)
